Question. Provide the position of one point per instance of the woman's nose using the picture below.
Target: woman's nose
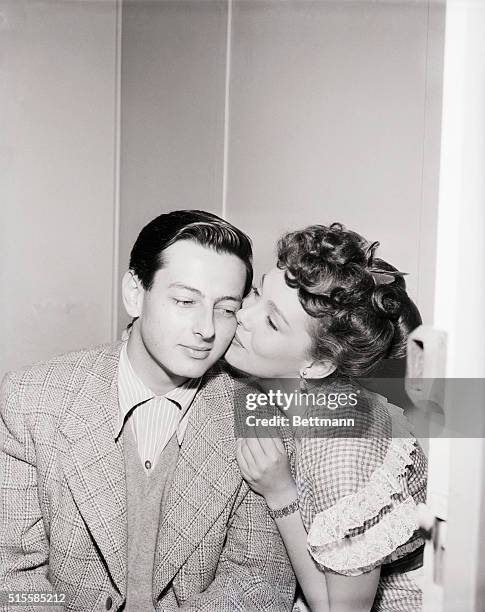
(250, 299)
(243, 315)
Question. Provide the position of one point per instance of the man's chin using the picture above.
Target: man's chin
(195, 368)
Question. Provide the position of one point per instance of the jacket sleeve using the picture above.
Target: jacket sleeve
(254, 572)
(24, 547)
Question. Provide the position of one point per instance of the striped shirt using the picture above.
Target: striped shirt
(154, 419)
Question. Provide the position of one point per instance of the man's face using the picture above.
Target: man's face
(188, 318)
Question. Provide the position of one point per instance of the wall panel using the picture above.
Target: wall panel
(57, 99)
(172, 118)
(328, 119)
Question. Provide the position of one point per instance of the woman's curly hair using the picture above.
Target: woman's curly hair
(359, 304)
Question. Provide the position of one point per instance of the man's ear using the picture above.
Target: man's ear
(133, 293)
(317, 369)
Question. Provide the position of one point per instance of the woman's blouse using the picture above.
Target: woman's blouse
(359, 486)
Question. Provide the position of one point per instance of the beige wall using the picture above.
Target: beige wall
(333, 113)
(304, 111)
(172, 119)
(57, 99)
(331, 117)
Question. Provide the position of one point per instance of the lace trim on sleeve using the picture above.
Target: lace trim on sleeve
(329, 541)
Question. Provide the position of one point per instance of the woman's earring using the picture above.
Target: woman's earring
(303, 383)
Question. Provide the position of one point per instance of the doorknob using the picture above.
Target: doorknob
(434, 531)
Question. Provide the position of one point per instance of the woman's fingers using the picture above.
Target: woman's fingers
(256, 460)
(279, 445)
(267, 473)
(254, 447)
(243, 464)
(248, 458)
(272, 447)
(245, 461)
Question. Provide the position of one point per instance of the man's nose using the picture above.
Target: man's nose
(204, 324)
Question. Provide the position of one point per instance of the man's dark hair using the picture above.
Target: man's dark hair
(198, 226)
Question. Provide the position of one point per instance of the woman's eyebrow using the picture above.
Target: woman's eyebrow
(275, 309)
(273, 306)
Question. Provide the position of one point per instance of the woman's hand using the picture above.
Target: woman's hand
(265, 467)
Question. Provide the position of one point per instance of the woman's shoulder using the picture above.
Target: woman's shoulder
(356, 429)
(357, 490)
(345, 449)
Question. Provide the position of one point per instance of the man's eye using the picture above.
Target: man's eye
(184, 302)
(271, 324)
(255, 291)
(227, 312)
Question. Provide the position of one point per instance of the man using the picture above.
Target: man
(119, 485)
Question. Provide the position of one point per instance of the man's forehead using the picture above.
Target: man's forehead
(188, 253)
(186, 249)
(202, 268)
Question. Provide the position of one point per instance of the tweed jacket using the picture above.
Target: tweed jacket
(63, 516)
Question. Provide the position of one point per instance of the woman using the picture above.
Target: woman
(346, 507)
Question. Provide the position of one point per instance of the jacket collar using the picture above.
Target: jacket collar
(206, 476)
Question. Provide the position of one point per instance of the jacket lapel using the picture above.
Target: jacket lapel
(205, 478)
(94, 465)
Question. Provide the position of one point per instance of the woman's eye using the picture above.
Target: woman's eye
(184, 302)
(271, 324)
(255, 291)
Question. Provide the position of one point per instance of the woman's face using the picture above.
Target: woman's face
(271, 339)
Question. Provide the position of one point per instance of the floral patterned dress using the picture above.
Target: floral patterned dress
(358, 497)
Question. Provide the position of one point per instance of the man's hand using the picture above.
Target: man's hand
(265, 467)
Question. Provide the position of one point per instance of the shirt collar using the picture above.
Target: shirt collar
(133, 392)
